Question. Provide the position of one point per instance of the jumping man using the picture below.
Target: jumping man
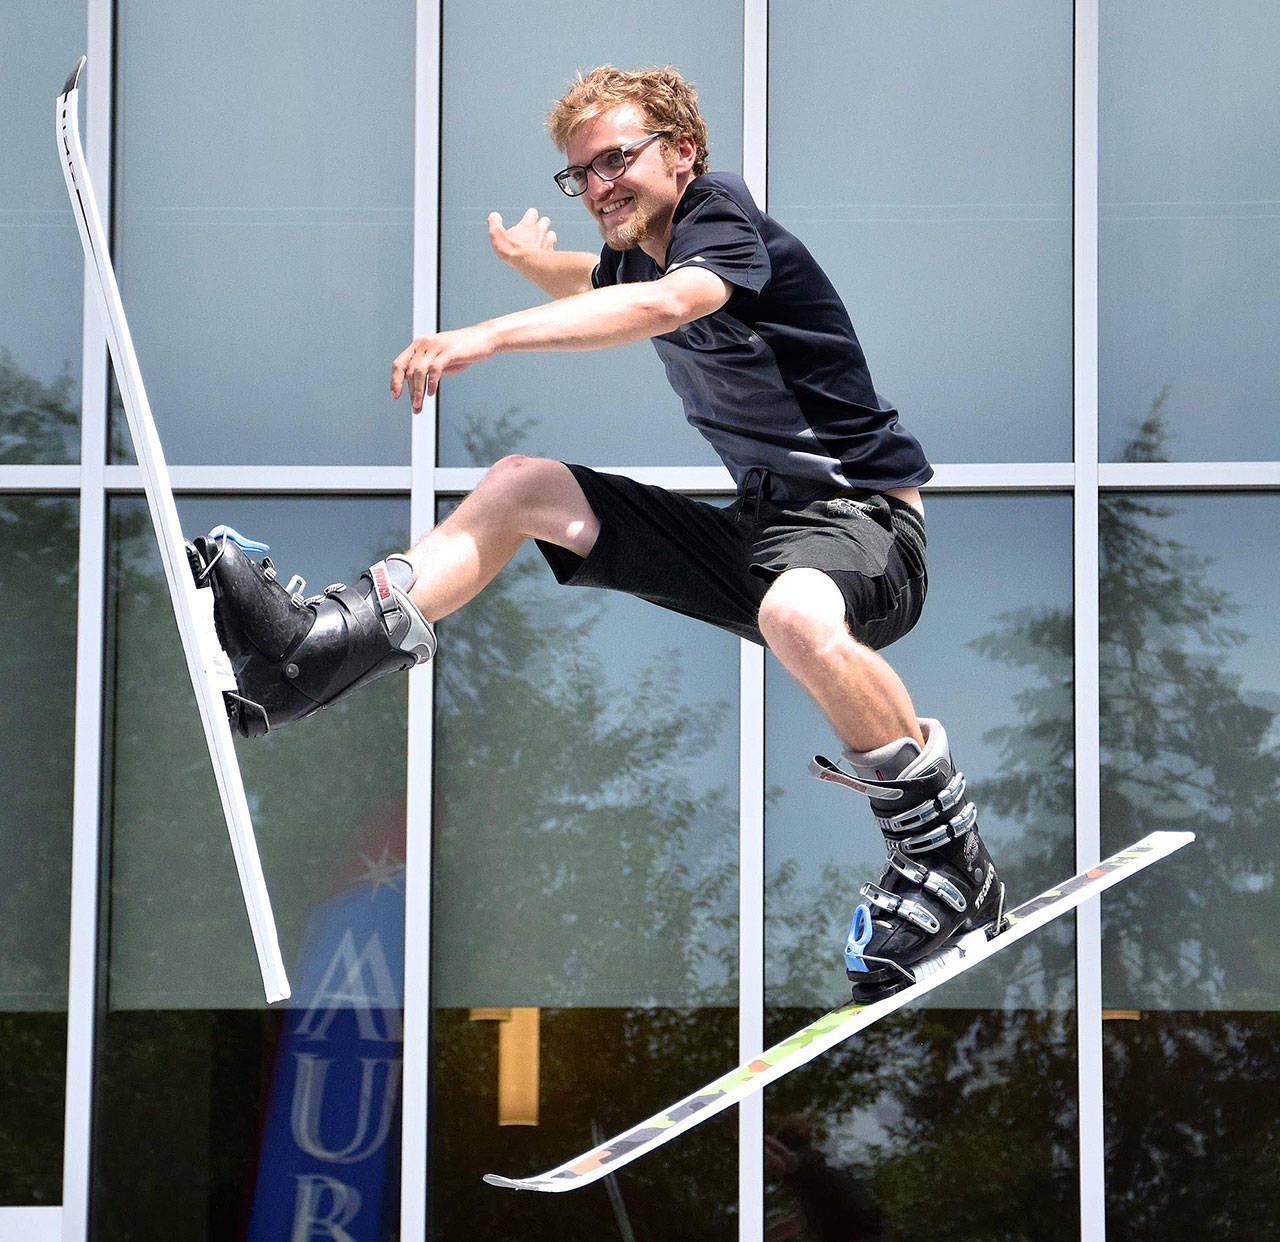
(821, 557)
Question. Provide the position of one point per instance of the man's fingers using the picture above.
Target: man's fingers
(398, 372)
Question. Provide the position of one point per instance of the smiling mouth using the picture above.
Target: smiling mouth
(613, 207)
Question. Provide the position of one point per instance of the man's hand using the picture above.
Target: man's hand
(529, 246)
(430, 357)
(530, 234)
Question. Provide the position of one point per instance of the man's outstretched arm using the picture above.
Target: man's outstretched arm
(613, 315)
(529, 246)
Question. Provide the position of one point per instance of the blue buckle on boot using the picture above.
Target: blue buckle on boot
(860, 932)
(243, 542)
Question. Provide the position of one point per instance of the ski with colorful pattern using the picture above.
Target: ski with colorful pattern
(835, 1027)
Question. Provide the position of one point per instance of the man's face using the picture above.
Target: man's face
(641, 201)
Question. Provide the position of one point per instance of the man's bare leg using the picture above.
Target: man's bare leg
(802, 619)
(293, 655)
(939, 881)
(519, 498)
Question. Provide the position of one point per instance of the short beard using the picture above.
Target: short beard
(631, 234)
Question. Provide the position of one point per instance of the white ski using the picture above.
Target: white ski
(834, 1027)
(208, 665)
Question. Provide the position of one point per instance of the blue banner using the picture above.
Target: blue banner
(329, 1167)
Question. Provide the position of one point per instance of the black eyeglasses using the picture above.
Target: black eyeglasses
(608, 166)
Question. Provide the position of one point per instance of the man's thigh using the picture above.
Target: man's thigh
(679, 553)
(871, 547)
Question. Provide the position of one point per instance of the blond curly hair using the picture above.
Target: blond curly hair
(668, 103)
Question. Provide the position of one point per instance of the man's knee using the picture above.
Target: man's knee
(802, 611)
(520, 477)
(542, 499)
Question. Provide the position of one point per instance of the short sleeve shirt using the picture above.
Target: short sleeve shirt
(775, 379)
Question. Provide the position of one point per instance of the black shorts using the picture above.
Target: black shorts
(716, 563)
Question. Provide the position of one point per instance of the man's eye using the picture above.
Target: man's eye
(611, 163)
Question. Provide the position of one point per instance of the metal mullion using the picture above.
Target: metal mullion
(1001, 477)
(697, 480)
(415, 1132)
(22, 479)
(82, 989)
(1189, 476)
(1086, 562)
(270, 480)
(751, 723)
(751, 856)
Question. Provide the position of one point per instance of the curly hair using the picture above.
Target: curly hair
(668, 103)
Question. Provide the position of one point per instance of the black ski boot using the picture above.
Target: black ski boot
(293, 655)
(938, 883)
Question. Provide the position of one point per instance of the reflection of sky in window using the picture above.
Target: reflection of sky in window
(285, 204)
(1189, 240)
(39, 250)
(605, 407)
(934, 185)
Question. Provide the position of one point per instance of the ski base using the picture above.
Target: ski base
(210, 671)
(839, 1024)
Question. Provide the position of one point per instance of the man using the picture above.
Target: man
(822, 557)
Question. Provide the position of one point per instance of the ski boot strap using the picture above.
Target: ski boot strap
(407, 628)
(930, 817)
(931, 881)
(898, 906)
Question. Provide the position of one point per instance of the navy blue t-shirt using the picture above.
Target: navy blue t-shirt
(775, 378)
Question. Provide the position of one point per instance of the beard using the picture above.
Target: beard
(629, 235)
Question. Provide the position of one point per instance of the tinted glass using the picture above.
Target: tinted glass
(923, 153)
(1189, 232)
(584, 903)
(1190, 693)
(263, 236)
(38, 544)
(41, 270)
(608, 407)
(875, 1124)
(277, 1119)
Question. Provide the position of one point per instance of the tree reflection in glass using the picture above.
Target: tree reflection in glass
(38, 574)
(585, 865)
(1189, 702)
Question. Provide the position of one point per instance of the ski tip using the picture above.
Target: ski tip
(73, 78)
(507, 1183)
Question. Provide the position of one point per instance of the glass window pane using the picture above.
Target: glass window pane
(931, 176)
(604, 408)
(38, 544)
(1190, 701)
(209, 1107)
(1189, 231)
(40, 265)
(992, 659)
(263, 235)
(585, 894)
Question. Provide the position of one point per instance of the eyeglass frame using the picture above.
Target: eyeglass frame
(624, 150)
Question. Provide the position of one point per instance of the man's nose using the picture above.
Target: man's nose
(597, 186)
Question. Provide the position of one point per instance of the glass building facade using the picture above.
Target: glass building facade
(575, 868)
